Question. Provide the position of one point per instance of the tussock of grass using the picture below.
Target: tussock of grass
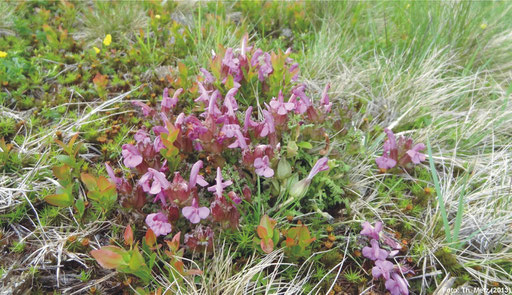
(447, 85)
(6, 18)
(118, 19)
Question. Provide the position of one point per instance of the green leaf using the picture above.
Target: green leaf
(305, 145)
(65, 160)
(152, 260)
(59, 200)
(89, 181)
(62, 172)
(439, 194)
(136, 261)
(262, 232)
(80, 207)
(109, 256)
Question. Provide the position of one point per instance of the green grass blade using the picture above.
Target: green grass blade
(439, 194)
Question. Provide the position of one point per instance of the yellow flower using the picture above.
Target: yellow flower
(107, 40)
(96, 49)
(157, 16)
(483, 26)
(3, 54)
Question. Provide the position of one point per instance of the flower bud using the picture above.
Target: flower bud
(291, 149)
(284, 169)
(299, 189)
(247, 193)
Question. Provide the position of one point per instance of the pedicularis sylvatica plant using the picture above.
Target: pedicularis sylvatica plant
(187, 168)
(391, 273)
(195, 167)
(399, 153)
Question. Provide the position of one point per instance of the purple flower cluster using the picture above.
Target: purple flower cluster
(216, 124)
(399, 152)
(391, 273)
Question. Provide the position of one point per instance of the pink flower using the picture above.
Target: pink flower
(233, 130)
(219, 186)
(262, 166)
(159, 224)
(370, 231)
(267, 126)
(399, 152)
(292, 68)
(256, 56)
(158, 145)
(195, 213)
(414, 153)
(179, 120)
(230, 106)
(160, 197)
(195, 127)
(391, 242)
(404, 269)
(118, 181)
(159, 182)
(142, 137)
(265, 67)
(264, 62)
(229, 61)
(179, 191)
(299, 105)
(146, 110)
(302, 104)
(375, 252)
(320, 165)
(159, 130)
(279, 106)
(382, 268)
(195, 177)
(169, 103)
(234, 197)
(209, 78)
(204, 94)
(397, 285)
(131, 155)
(325, 99)
(390, 143)
(384, 162)
(248, 122)
(213, 109)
